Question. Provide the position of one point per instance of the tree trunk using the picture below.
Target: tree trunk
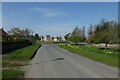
(106, 45)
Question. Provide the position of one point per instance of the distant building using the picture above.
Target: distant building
(42, 38)
(47, 38)
(58, 39)
(55, 39)
(63, 39)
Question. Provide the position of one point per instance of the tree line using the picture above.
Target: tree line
(107, 31)
(21, 35)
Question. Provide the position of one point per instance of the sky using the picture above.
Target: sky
(60, 0)
(56, 18)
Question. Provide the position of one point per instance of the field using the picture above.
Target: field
(106, 56)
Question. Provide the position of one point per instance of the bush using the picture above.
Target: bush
(74, 39)
(15, 41)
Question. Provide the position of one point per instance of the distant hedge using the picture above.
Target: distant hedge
(9, 46)
(14, 41)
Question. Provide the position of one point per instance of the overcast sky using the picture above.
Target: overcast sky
(55, 18)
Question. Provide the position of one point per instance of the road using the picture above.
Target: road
(54, 62)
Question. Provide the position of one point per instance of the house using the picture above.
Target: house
(3, 35)
(58, 39)
(55, 39)
(47, 38)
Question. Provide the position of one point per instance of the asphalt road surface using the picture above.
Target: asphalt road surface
(54, 62)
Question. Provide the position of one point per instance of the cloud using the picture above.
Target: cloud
(18, 15)
(47, 12)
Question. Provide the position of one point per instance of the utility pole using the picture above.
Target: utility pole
(83, 31)
(91, 28)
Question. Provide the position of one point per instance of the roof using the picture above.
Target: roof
(3, 33)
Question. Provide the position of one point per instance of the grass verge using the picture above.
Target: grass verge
(109, 57)
(8, 73)
(11, 62)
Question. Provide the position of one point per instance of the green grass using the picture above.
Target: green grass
(0, 67)
(21, 55)
(96, 54)
(110, 52)
(11, 73)
(16, 59)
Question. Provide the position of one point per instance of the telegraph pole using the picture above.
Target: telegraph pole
(83, 31)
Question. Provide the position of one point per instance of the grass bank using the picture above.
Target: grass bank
(11, 62)
(109, 56)
(12, 73)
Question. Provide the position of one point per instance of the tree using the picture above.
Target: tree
(52, 38)
(75, 39)
(78, 32)
(90, 34)
(66, 36)
(36, 36)
(18, 33)
(28, 32)
(118, 33)
(105, 32)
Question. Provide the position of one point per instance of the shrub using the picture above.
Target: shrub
(14, 41)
